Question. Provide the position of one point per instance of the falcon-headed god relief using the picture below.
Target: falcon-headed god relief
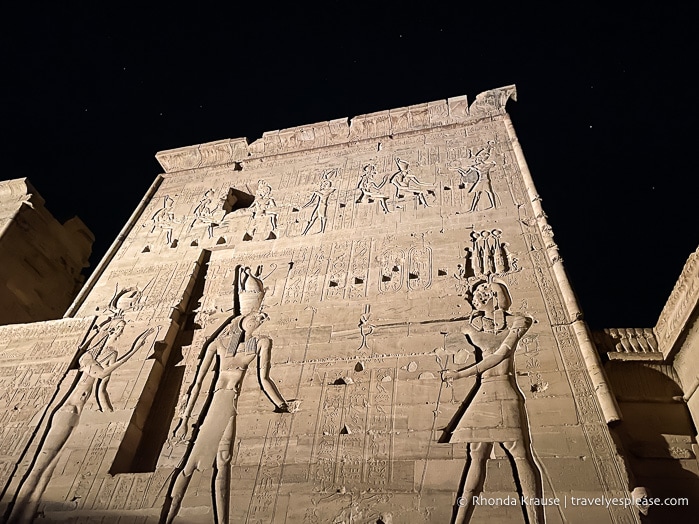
(232, 348)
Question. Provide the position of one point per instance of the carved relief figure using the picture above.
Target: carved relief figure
(98, 360)
(232, 348)
(204, 213)
(370, 189)
(264, 205)
(365, 328)
(408, 183)
(320, 198)
(164, 218)
(495, 412)
(478, 176)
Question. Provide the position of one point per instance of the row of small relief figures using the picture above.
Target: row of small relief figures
(476, 179)
(630, 340)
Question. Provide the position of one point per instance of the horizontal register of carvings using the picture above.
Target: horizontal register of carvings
(679, 306)
(339, 131)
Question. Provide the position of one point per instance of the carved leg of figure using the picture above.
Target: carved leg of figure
(491, 199)
(178, 491)
(475, 476)
(382, 201)
(475, 201)
(323, 221)
(28, 497)
(168, 236)
(311, 221)
(105, 405)
(223, 472)
(529, 479)
(273, 221)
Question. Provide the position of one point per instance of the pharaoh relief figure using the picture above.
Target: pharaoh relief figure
(98, 360)
(231, 349)
(495, 412)
(320, 197)
(477, 176)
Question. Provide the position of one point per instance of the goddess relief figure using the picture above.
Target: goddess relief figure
(97, 362)
(495, 412)
(231, 349)
(405, 181)
(164, 218)
(264, 204)
(369, 188)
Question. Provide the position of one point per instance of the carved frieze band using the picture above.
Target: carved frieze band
(375, 125)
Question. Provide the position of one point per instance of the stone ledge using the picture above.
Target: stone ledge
(387, 123)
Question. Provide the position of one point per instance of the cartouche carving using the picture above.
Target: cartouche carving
(232, 348)
(495, 412)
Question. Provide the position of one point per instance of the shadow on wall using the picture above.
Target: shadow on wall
(657, 434)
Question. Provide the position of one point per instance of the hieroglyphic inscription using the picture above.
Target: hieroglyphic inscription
(353, 443)
(680, 304)
(419, 268)
(34, 359)
(293, 290)
(548, 289)
(269, 473)
(327, 434)
(337, 271)
(315, 278)
(392, 270)
(378, 472)
(359, 269)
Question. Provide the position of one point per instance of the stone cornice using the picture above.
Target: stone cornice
(391, 122)
(678, 309)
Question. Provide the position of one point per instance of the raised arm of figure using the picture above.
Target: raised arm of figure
(313, 199)
(101, 371)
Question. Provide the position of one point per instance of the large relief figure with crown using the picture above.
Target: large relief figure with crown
(494, 412)
(232, 347)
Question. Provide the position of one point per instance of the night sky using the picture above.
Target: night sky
(606, 110)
